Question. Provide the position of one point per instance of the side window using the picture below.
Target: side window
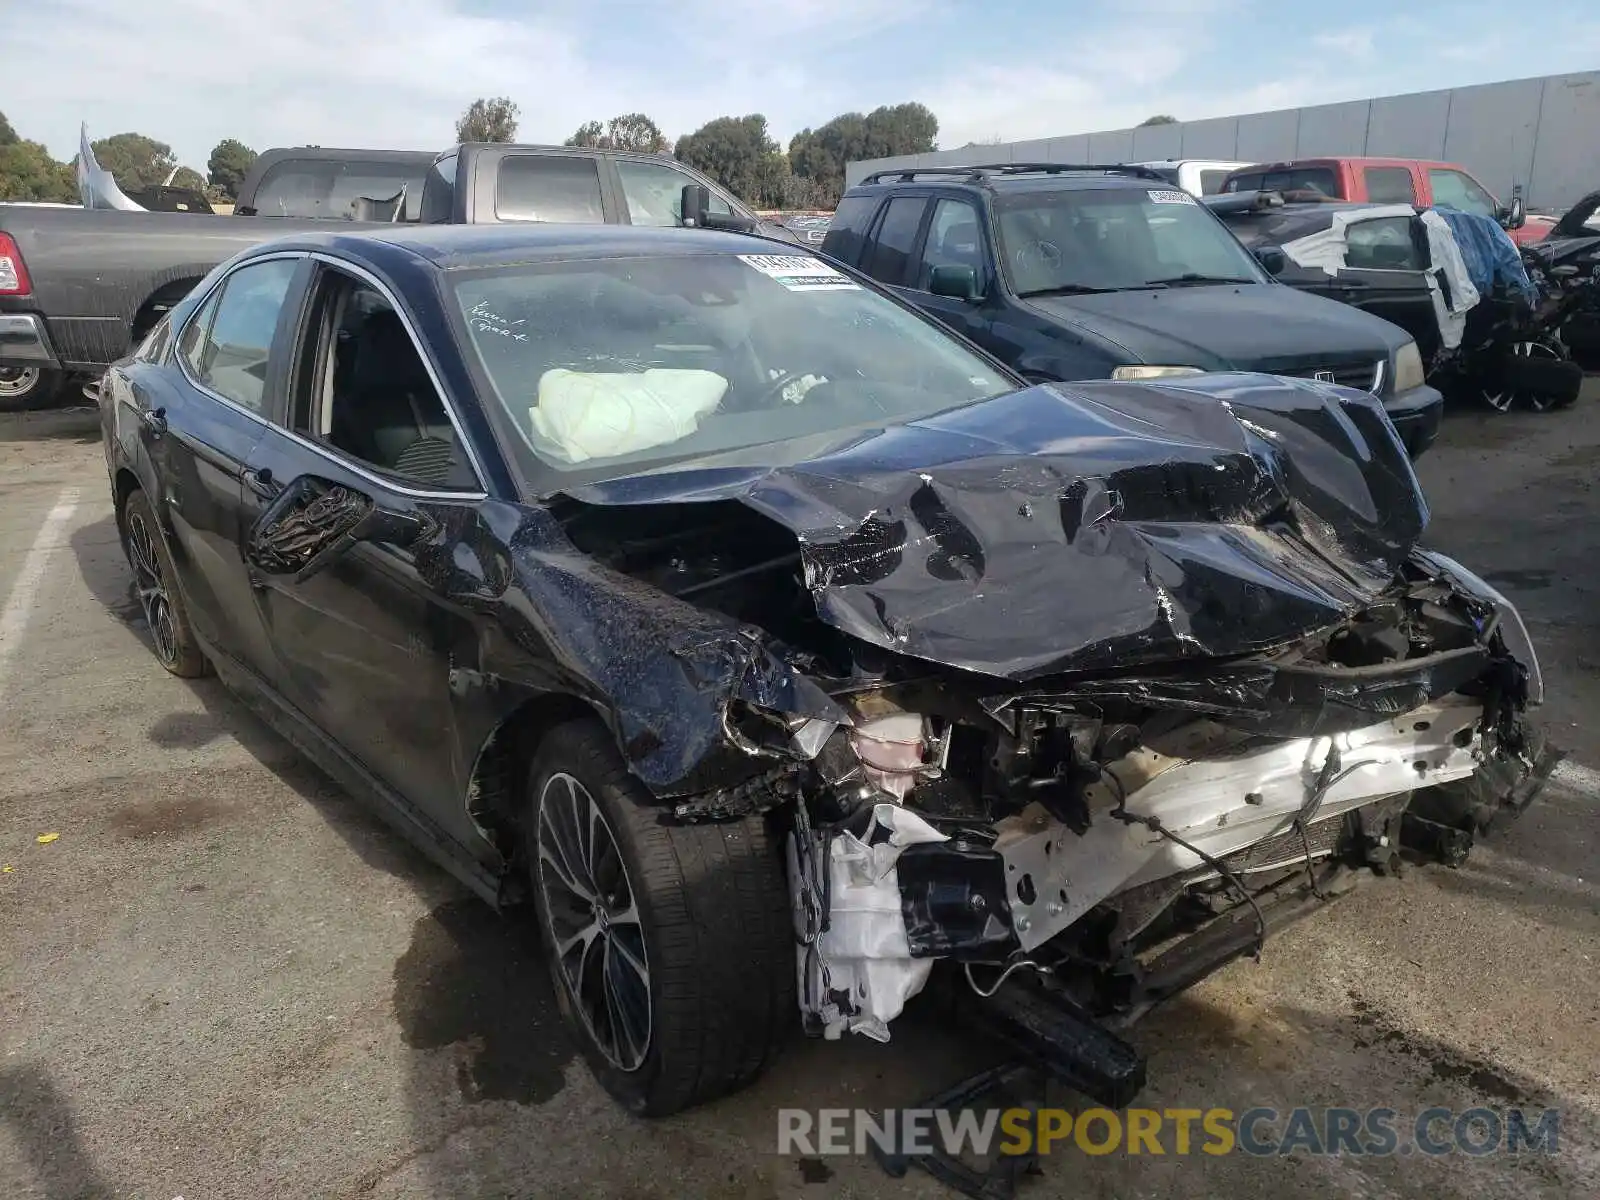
(231, 357)
(847, 230)
(1390, 185)
(897, 233)
(1245, 183)
(654, 192)
(1382, 245)
(1211, 181)
(953, 240)
(367, 394)
(548, 187)
(1454, 190)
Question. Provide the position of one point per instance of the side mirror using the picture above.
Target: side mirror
(313, 522)
(1272, 259)
(696, 209)
(958, 281)
(1519, 212)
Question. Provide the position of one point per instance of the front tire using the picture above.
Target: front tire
(24, 388)
(670, 946)
(155, 582)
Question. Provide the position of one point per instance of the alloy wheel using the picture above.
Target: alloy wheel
(151, 588)
(593, 921)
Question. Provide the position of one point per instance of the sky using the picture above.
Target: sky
(397, 73)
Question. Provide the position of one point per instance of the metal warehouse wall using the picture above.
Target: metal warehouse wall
(1542, 133)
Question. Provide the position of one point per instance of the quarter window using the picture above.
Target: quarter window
(1383, 244)
(548, 187)
(228, 343)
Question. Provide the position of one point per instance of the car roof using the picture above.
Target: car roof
(1356, 160)
(1031, 181)
(455, 247)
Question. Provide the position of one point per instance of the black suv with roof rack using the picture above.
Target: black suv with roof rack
(1088, 271)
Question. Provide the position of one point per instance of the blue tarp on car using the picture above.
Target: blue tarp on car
(1490, 254)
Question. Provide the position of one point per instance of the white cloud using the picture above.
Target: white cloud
(1351, 43)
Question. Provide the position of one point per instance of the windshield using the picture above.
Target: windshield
(1114, 239)
(611, 365)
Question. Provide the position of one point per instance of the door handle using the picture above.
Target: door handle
(154, 419)
(261, 482)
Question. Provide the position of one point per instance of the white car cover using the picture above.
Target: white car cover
(1327, 250)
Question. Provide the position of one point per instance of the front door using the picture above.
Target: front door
(370, 643)
(954, 237)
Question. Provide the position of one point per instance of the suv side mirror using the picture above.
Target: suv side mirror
(1272, 259)
(697, 211)
(1518, 216)
(950, 279)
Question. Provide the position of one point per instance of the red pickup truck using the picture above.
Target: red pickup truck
(1390, 181)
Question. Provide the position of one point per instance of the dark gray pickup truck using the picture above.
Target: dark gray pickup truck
(79, 287)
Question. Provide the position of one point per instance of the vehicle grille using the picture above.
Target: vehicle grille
(1364, 376)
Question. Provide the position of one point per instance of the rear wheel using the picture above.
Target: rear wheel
(28, 387)
(155, 585)
(671, 946)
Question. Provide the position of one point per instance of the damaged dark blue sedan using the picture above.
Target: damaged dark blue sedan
(786, 653)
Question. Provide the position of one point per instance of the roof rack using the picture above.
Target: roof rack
(981, 171)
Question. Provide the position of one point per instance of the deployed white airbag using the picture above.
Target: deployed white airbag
(591, 414)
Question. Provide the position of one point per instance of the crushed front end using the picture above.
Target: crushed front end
(1077, 693)
(1120, 837)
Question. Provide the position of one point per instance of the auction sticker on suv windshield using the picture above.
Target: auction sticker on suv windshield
(799, 272)
(1171, 197)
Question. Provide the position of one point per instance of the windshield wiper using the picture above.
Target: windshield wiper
(1066, 289)
(1193, 277)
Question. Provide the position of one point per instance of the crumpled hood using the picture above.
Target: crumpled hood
(1232, 327)
(1072, 527)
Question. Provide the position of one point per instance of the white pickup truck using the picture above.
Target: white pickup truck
(1197, 176)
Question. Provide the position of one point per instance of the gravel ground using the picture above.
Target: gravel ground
(226, 979)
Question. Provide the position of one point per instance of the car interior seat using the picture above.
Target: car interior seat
(388, 413)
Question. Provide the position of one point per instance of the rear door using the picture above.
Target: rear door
(371, 644)
(199, 431)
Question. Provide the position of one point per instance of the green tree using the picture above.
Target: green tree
(188, 177)
(631, 131)
(230, 161)
(8, 135)
(1158, 119)
(488, 121)
(740, 154)
(820, 154)
(135, 161)
(27, 172)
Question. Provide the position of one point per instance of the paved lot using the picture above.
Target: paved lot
(225, 979)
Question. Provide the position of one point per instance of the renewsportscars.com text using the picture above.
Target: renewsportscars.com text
(1172, 1131)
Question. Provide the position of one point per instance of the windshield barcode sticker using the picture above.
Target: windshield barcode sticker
(1172, 198)
(799, 272)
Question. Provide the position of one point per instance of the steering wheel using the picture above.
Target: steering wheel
(774, 390)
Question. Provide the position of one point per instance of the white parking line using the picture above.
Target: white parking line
(19, 605)
(1577, 778)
